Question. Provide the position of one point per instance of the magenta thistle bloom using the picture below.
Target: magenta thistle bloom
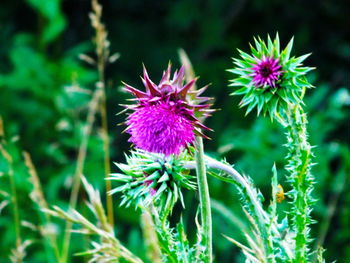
(164, 121)
(266, 72)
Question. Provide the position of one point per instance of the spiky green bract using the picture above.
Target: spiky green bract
(151, 178)
(299, 166)
(286, 87)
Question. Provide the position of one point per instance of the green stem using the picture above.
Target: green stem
(204, 200)
(300, 178)
(242, 183)
(15, 206)
(105, 138)
(14, 199)
(93, 107)
(164, 235)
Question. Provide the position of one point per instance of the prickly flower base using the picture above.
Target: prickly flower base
(149, 178)
(154, 183)
(269, 78)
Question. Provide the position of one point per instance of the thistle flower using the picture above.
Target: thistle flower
(269, 78)
(165, 117)
(266, 72)
(152, 178)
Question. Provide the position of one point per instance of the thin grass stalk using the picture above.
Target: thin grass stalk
(2, 132)
(106, 150)
(15, 204)
(109, 248)
(204, 199)
(14, 198)
(150, 237)
(102, 52)
(38, 197)
(93, 107)
(98, 103)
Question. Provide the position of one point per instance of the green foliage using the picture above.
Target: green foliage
(54, 21)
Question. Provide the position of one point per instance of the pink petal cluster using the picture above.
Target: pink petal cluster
(163, 121)
(266, 72)
(160, 128)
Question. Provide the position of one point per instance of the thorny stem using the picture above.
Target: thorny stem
(300, 178)
(164, 235)
(204, 200)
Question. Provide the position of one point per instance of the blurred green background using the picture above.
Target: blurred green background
(40, 42)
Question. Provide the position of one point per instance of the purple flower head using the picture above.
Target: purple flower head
(163, 120)
(266, 72)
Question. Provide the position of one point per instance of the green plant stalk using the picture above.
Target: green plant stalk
(14, 199)
(93, 107)
(204, 199)
(150, 236)
(50, 238)
(257, 210)
(240, 181)
(165, 238)
(105, 138)
(102, 52)
(300, 178)
(15, 205)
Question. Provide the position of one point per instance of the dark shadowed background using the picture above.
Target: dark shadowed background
(40, 41)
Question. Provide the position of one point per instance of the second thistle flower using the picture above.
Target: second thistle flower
(269, 78)
(165, 117)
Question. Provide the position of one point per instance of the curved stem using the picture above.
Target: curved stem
(237, 178)
(204, 200)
